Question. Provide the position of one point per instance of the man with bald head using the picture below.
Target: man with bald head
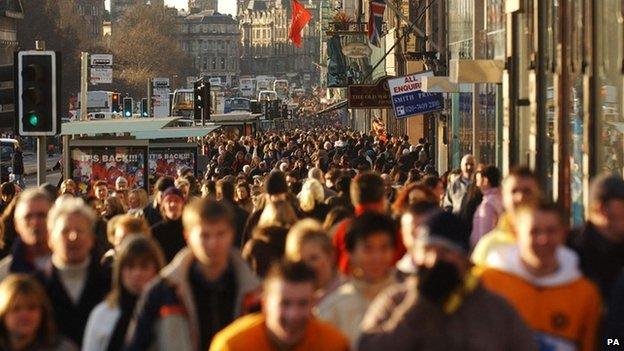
(455, 197)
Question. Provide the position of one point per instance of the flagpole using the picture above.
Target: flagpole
(407, 32)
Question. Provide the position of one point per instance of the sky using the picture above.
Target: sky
(225, 6)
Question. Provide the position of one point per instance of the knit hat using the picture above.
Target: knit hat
(275, 183)
(444, 228)
(173, 191)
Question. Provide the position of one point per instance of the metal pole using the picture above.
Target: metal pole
(562, 112)
(42, 153)
(84, 85)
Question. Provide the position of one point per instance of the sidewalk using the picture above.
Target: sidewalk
(30, 162)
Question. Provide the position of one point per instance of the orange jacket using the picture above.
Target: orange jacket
(249, 333)
(565, 312)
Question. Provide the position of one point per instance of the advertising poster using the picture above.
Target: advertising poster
(91, 163)
(408, 99)
(167, 161)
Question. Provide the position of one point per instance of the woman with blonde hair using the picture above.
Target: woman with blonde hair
(311, 200)
(139, 260)
(26, 317)
(307, 241)
(137, 201)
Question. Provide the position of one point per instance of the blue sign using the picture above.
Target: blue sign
(408, 99)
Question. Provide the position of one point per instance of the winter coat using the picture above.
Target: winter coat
(563, 308)
(17, 261)
(166, 313)
(100, 327)
(455, 197)
(401, 320)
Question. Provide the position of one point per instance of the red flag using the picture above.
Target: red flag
(300, 17)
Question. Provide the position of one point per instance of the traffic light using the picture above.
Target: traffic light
(127, 107)
(144, 111)
(38, 79)
(116, 105)
(201, 100)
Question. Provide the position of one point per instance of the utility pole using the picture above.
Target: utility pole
(42, 152)
(84, 85)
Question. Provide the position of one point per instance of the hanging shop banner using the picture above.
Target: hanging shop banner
(167, 161)
(370, 96)
(92, 163)
(407, 98)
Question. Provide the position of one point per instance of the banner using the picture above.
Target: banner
(167, 161)
(90, 164)
(408, 99)
(300, 18)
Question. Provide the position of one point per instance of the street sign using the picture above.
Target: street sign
(409, 100)
(160, 97)
(357, 50)
(370, 96)
(101, 68)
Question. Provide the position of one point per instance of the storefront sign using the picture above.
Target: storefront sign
(409, 100)
(370, 96)
(90, 164)
(167, 161)
(357, 50)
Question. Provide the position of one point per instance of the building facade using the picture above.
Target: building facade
(11, 12)
(212, 41)
(118, 7)
(204, 5)
(266, 48)
(92, 11)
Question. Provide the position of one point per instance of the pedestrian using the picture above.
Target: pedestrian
(18, 166)
(152, 211)
(243, 196)
(311, 200)
(26, 317)
(201, 291)
(137, 201)
(7, 193)
(308, 242)
(456, 191)
(286, 322)
(443, 306)
(121, 183)
(29, 251)
(184, 186)
(600, 242)
(100, 190)
(117, 229)
(519, 188)
(541, 279)
(371, 244)
(491, 207)
(138, 261)
(225, 193)
(68, 187)
(169, 233)
(113, 206)
(412, 218)
(73, 279)
(614, 321)
(343, 196)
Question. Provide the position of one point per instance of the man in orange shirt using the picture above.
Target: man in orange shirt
(541, 279)
(286, 322)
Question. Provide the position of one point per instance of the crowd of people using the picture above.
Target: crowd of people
(318, 239)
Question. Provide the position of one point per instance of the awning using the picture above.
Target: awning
(172, 133)
(112, 126)
(333, 107)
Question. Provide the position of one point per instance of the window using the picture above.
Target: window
(214, 63)
(223, 63)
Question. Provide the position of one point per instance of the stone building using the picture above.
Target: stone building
(203, 5)
(93, 13)
(212, 41)
(266, 48)
(118, 7)
(11, 11)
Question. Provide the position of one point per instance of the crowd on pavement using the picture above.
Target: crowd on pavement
(312, 239)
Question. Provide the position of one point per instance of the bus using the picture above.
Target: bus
(247, 87)
(237, 104)
(280, 86)
(182, 103)
(267, 95)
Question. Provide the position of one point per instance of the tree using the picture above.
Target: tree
(144, 46)
(62, 27)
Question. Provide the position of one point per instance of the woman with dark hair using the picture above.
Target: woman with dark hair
(243, 197)
(411, 194)
(26, 317)
(138, 261)
(436, 185)
(113, 207)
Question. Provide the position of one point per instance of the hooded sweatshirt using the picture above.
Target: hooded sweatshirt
(563, 308)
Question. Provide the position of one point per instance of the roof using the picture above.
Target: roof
(12, 8)
(174, 133)
(210, 16)
(111, 126)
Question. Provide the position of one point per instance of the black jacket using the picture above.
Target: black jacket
(71, 319)
(170, 236)
(18, 162)
(152, 214)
